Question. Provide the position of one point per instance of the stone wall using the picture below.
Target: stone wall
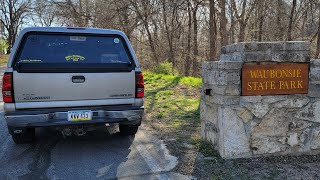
(248, 126)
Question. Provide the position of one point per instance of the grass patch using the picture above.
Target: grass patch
(172, 102)
(4, 59)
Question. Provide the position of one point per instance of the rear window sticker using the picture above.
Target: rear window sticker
(78, 38)
(75, 58)
(116, 40)
(30, 60)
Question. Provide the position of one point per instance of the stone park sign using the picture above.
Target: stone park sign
(262, 99)
(283, 78)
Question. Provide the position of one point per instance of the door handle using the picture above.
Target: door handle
(78, 79)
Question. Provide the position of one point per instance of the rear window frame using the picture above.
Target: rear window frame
(71, 70)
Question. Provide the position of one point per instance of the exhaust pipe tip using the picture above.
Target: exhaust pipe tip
(67, 132)
(79, 132)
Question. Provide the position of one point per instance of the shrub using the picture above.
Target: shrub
(165, 68)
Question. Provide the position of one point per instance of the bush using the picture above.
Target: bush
(165, 68)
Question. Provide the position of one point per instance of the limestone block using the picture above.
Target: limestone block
(259, 56)
(314, 63)
(258, 46)
(266, 145)
(293, 102)
(310, 113)
(244, 114)
(210, 65)
(314, 90)
(259, 110)
(217, 77)
(251, 99)
(215, 89)
(274, 99)
(294, 56)
(209, 132)
(229, 65)
(235, 57)
(209, 112)
(299, 125)
(231, 100)
(232, 77)
(233, 142)
(314, 77)
(222, 99)
(315, 143)
(292, 46)
(274, 123)
(232, 90)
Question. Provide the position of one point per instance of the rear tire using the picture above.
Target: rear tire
(127, 130)
(26, 136)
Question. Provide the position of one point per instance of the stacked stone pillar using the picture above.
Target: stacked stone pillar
(249, 126)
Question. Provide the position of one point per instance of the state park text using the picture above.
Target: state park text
(285, 78)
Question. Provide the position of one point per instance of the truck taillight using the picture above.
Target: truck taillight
(7, 88)
(139, 85)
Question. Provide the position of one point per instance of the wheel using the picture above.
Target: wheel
(127, 130)
(26, 135)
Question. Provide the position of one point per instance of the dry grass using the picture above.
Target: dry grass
(3, 59)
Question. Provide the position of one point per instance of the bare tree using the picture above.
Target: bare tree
(13, 12)
(289, 34)
(195, 8)
(212, 30)
(44, 13)
(243, 17)
(144, 11)
(223, 22)
(188, 50)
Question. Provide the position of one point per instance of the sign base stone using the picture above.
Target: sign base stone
(259, 125)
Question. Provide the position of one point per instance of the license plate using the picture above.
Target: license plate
(84, 115)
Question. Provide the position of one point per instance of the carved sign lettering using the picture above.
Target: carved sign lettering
(272, 79)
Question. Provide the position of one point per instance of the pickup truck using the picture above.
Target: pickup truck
(71, 79)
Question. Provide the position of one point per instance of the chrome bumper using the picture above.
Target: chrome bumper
(60, 118)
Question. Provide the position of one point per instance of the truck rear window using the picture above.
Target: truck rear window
(71, 50)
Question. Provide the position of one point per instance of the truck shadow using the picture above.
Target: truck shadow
(94, 155)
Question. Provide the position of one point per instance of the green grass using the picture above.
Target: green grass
(172, 100)
(3, 59)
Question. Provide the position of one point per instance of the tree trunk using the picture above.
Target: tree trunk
(318, 40)
(289, 34)
(168, 35)
(279, 33)
(232, 25)
(242, 31)
(195, 41)
(212, 31)
(187, 63)
(151, 43)
(261, 14)
(223, 23)
(242, 23)
(261, 19)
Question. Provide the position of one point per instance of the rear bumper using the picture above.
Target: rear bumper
(42, 118)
